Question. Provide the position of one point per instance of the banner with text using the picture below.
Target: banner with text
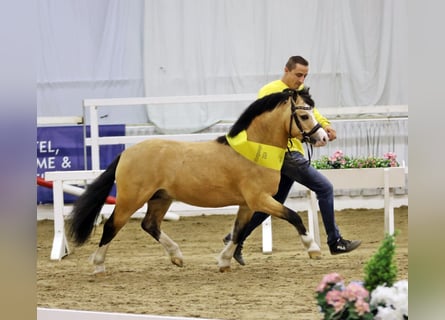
(62, 149)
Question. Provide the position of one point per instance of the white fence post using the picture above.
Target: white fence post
(94, 134)
(60, 246)
(267, 235)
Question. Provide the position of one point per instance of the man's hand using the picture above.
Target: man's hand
(332, 134)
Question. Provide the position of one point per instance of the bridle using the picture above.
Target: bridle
(306, 136)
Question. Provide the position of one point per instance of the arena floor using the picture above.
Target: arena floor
(140, 278)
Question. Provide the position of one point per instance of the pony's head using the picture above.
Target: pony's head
(304, 125)
(295, 109)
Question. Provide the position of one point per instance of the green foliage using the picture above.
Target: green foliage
(381, 268)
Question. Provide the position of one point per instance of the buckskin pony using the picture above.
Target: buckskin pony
(240, 168)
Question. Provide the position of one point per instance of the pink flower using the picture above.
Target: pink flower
(338, 154)
(355, 291)
(361, 306)
(337, 301)
(335, 298)
(390, 156)
(331, 278)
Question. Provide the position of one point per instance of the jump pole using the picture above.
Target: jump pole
(70, 189)
(78, 191)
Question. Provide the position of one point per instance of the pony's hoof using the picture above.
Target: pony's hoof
(225, 269)
(316, 255)
(99, 270)
(177, 262)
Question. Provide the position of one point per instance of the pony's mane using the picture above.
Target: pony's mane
(259, 106)
(266, 103)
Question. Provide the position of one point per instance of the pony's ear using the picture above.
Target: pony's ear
(306, 96)
(291, 92)
(305, 90)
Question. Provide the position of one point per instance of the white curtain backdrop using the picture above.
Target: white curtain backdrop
(115, 48)
(90, 49)
(357, 52)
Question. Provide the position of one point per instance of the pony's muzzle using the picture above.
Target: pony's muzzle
(319, 143)
(319, 138)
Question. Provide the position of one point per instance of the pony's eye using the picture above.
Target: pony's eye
(304, 117)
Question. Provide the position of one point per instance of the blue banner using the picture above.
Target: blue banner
(62, 149)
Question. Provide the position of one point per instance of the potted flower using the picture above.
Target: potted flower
(339, 161)
(378, 297)
(361, 173)
(340, 302)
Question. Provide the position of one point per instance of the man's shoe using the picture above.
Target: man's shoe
(238, 255)
(344, 246)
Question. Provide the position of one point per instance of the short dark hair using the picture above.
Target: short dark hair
(294, 60)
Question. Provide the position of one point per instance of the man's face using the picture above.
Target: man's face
(295, 78)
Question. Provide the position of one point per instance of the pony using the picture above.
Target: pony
(240, 168)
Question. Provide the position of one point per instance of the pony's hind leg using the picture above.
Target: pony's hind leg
(98, 259)
(110, 229)
(157, 206)
(120, 216)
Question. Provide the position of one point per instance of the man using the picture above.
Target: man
(297, 168)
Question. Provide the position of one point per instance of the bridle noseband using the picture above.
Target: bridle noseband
(306, 137)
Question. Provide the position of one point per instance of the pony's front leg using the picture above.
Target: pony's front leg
(311, 246)
(309, 243)
(270, 205)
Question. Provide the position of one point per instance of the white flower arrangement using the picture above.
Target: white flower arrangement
(340, 302)
(391, 302)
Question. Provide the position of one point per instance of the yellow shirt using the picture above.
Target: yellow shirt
(279, 86)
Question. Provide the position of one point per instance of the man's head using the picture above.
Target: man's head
(295, 72)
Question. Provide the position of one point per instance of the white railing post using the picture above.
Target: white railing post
(94, 136)
(267, 235)
(313, 216)
(60, 246)
(389, 210)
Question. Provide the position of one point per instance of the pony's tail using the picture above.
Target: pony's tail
(87, 207)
